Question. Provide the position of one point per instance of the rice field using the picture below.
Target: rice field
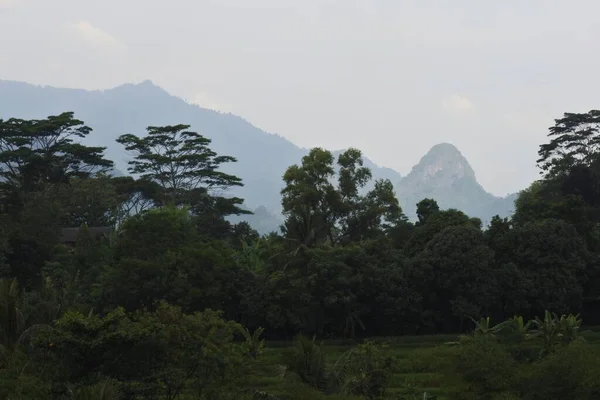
(419, 362)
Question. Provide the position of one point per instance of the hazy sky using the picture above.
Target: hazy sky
(391, 77)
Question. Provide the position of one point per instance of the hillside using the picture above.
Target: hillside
(445, 175)
(262, 157)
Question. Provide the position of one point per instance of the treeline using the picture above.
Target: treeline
(346, 262)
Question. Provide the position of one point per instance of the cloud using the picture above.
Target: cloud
(457, 105)
(98, 38)
(7, 3)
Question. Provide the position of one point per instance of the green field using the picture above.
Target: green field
(418, 365)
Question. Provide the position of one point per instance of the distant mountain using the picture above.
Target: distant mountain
(130, 108)
(262, 157)
(445, 175)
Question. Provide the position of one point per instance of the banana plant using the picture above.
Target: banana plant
(569, 328)
(253, 344)
(483, 327)
(515, 329)
(547, 330)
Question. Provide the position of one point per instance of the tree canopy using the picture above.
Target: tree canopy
(158, 296)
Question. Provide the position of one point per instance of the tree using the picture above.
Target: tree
(161, 354)
(575, 141)
(454, 276)
(498, 237)
(159, 255)
(318, 211)
(309, 199)
(376, 213)
(4, 269)
(425, 209)
(34, 153)
(435, 224)
(135, 195)
(92, 202)
(180, 161)
(552, 257)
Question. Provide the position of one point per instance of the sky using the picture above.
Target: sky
(390, 77)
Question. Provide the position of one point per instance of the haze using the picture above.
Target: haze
(390, 77)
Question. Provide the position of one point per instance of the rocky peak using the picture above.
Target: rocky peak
(443, 164)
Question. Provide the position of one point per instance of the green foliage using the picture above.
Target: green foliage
(181, 162)
(165, 352)
(436, 223)
(554, 331)
(107, 390)
(448, 274)
(364, 371)
(515, 330)
(425, 209)
(575, 140)
(570, 373)
(132, 317)
(254, 344)
(318, 212)
(483, 327)
(485, 365)
(36, 152)
(308, 362)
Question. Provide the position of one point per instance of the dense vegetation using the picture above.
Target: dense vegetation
(176, 301)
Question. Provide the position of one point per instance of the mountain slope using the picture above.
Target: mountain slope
(130, 108)
(262, 157)
(445, 175)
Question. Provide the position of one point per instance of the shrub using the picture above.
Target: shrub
(570, 373)
(486, 366)
(431, 359)
(364, 371)
(308, 362)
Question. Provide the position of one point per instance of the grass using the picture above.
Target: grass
(415, 364)
(418, 365)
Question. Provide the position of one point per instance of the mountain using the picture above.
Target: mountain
(262, 157)
(130, 108)
(445, 175)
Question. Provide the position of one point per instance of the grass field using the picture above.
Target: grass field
(418, 365)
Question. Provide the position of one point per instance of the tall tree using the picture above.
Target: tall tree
(309, 198)
(34, 153)
(454, 276)
(575, 140)
(319, 211)
(180, 161)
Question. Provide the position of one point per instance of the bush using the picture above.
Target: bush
(308, 362)
(364, 371)
(486, 366)
(570, 373)
(432, 359)
(294, 390)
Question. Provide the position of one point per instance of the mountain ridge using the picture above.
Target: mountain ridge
(262, 156)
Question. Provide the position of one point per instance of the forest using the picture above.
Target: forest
(138, 287)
